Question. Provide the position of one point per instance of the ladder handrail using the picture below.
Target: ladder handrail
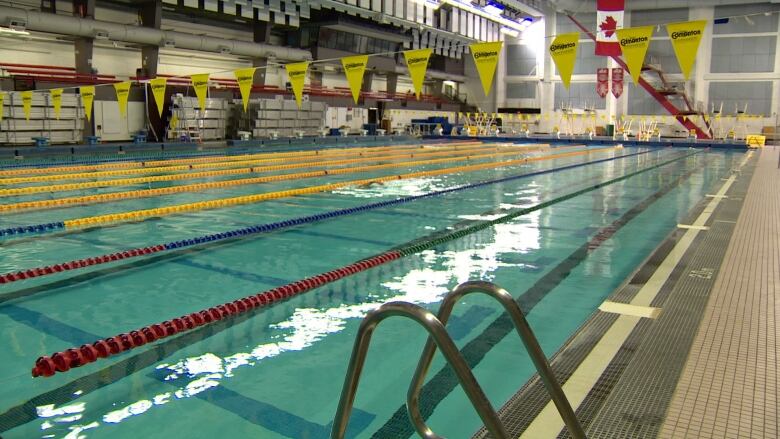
(438, 335)
(526, 335)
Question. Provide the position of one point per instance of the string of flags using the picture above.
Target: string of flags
(485, 57)
(632, 43)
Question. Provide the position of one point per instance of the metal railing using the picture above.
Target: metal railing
(438, 337)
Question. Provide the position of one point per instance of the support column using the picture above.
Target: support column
(392, 84)
(83, 49)
(368, 81)
(150, 14)
(262, 34)
(84, 46)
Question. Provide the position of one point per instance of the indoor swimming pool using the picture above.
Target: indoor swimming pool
(559, 227)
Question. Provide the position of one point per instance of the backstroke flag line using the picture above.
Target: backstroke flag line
(354, 68)
(245, 79)
(417, 63)
(563, 51)
(486, 59)
(685, 41)
(634, 42)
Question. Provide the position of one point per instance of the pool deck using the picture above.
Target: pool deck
(687, 347)
(728, 387)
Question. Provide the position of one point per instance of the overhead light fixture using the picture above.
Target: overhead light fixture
(101, 34)
(9, 31)
(494, 8)
(169, 44)
(510, 32)
(466, 6)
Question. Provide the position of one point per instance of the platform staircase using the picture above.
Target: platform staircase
(665, 93)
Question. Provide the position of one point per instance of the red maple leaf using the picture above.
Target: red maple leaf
(608, 26)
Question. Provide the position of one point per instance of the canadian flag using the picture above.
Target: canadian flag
(609, 19)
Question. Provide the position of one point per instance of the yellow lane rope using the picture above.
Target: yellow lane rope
(247, 199)
(184, 168)
(237, 171)
(193, 160)
(143, 193)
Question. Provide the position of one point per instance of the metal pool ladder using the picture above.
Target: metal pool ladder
(438, 337)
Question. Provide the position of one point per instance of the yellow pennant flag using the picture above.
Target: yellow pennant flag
(354, 68)
(201, 85)
(297, 74)
(685, 41)
(417, 63)
(56, 101)
(634, 42)
(122, 94)
(245, 79)
(27, 98)
(563, 51)
(486, 59)
(158, 91)
(2, 110)
(87, 97)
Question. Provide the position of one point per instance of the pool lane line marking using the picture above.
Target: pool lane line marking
(266, 228)
(145, 214)
(548, 424)
(475, 350)
(688, 226)
(28, 190)
(453, 156)
(139, 163)
(76, 357)
(226, 164)
(717, 196)
(630, 310)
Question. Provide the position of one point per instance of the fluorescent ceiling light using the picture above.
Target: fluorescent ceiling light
(510, 32)
(8, 31)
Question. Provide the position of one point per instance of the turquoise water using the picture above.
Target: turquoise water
(279, 373)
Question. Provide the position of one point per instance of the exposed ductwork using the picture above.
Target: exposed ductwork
(590, 6)
(88, 28)
(433, 74)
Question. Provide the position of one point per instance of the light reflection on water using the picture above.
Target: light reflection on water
(307, 326)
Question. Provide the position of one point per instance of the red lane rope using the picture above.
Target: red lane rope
(89, 353)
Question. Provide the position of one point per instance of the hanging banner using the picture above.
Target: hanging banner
(122, 94)
(87, 97)
(27, 98)
(245, 79)
(609, 19)
(634, 42)
(563, 51)
(602, 82)
(486, 58)
(417, 63)
(158, 91)
(685, 41)
(354, 68)
(201, 85)
(617, 82)
(2, 109)
(56, 101)
(297, 75)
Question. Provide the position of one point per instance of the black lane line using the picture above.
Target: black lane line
(445, 381)
(26, 412)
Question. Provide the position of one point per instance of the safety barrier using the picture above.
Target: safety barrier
(148, 167)
(76, 357)
(267, 228)
(143, 193)
(236, 171)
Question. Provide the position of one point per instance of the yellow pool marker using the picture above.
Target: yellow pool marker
(182, 168)
(237, 171)
(143, 193)
(257, 198)
(223, 158)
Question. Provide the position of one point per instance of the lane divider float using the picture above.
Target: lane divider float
(272, 227)
(68, 359)
(145, 193)
(225, 172)
(211, 163)
(225, 202)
